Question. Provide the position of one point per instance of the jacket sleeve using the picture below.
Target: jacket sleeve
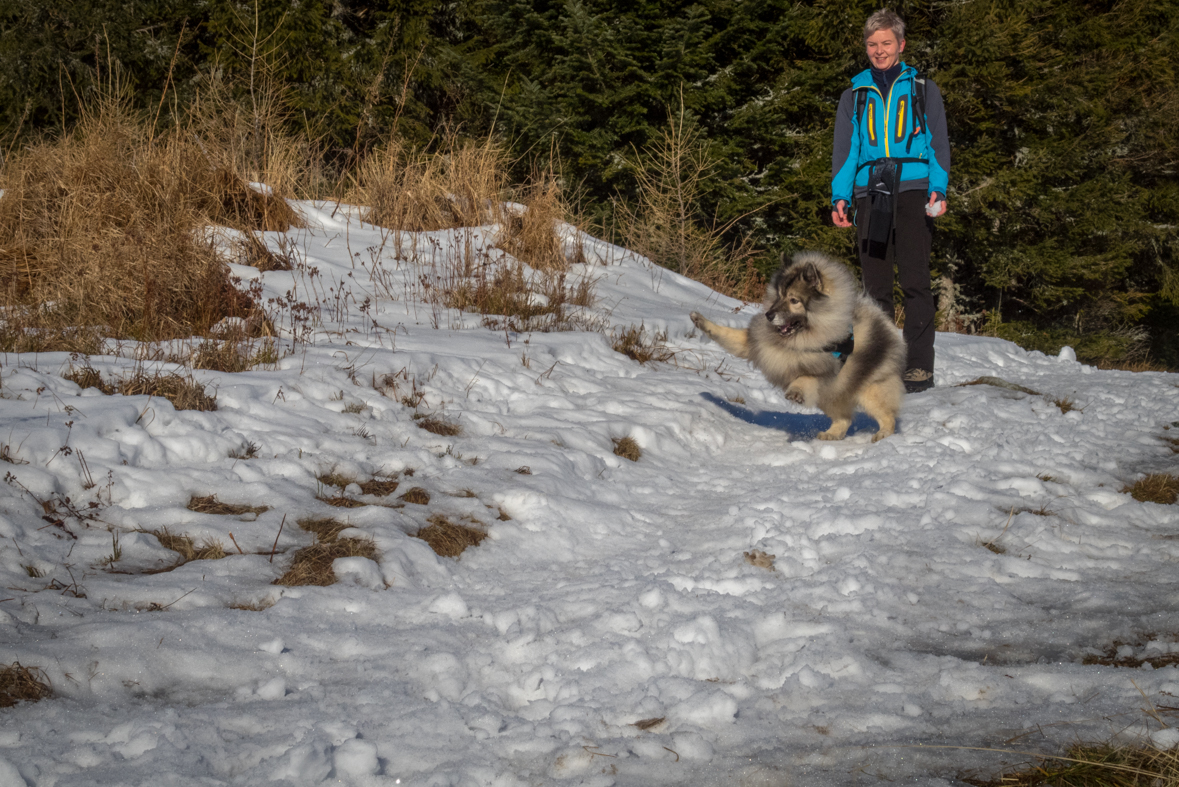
(939, 140)
(846, 151)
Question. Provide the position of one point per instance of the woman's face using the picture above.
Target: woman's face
(884, 49)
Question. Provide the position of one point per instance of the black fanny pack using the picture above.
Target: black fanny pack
(883, 179)
(884, 182)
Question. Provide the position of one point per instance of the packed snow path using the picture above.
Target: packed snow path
(624, 623)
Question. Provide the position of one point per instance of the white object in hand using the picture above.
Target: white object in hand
(936, 208)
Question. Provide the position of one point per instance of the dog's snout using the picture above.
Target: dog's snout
(770, 315)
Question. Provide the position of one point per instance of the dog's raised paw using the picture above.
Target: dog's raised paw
(697, 320)
(796, 396)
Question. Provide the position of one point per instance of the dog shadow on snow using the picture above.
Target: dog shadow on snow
(800, 426)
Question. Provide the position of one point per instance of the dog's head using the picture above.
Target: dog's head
(794, 291)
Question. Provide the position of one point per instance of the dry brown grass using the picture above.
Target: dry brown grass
(537, 301)
(378, 487)
(461, 185)
(1155, 488)
(1110, 658)
(187, 548)
(340, 501)
(252, 606)
(100, 229)
(238, 353)
(1095, 765)
(439, 426)
(760, 559)
(211, 505)
(324, 528)
(335, 479)
(184, 392)
(449, 539)
(1065, 403)
(635, 343)
(417, 496)
(531, 236)
(22, 684)
(627, 448)
(313, 565)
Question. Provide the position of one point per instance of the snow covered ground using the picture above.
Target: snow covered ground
(611, 630)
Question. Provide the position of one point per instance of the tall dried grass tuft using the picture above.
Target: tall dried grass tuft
(664, 224)
(100, 231)
(22, 684)
(461, 185)
(530, 235)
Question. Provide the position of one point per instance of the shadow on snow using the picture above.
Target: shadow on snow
(799, 426)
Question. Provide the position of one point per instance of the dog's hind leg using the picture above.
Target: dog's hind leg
(838, 429)
(878, 401)
(735, 340)
(839, 407)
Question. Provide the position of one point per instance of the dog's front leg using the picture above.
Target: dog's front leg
(735, 340)
(804, 391)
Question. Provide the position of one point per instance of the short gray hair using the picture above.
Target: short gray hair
(884, 20)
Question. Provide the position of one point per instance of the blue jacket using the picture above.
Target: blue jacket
(886, 131)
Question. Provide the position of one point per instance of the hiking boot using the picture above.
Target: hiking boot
(918, 380)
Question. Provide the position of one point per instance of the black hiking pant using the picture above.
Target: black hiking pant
(910, 246)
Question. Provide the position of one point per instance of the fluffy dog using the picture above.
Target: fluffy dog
(812, 304)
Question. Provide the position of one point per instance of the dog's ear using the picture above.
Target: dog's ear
(810, 274)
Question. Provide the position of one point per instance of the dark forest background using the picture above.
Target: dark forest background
(1064, 200)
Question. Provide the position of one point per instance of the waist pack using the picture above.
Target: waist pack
(884, 181)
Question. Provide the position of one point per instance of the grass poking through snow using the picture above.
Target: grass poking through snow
(635, 343)
(1100, 765)
(627, 448)
(417, 496)
(313, 565)
(188, 549)
(378, 487)
(1154, 488)
(211, 505)
(449, 539)
(22, 684)
(439, 426)
(185, 393)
